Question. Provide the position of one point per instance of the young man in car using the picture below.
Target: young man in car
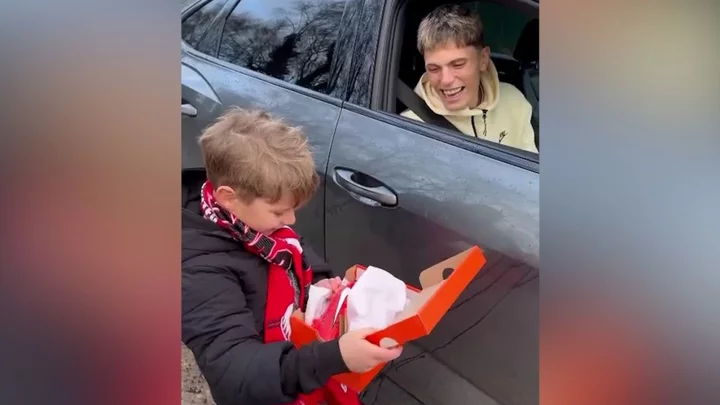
(461, 83)
(244, 271)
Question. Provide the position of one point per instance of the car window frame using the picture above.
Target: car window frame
(387, 60)
(503, 153)
(192, 8)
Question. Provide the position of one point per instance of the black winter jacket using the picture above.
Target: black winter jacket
(224, 290)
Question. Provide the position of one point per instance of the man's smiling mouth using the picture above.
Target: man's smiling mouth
(452, 92)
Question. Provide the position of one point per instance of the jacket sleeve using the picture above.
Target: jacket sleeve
(321, 270)
(239, 367)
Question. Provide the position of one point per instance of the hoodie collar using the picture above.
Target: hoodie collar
(490, 88)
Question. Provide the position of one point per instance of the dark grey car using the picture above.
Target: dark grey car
(395, 193)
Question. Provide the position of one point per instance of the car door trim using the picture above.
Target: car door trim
(506, 154)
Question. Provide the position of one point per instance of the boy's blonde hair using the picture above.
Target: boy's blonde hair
(450, 24)
(258, 156)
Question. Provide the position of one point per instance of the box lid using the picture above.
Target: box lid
(441, 284)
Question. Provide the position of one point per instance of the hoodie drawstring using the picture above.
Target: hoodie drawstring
(472, 120)
(484, 123)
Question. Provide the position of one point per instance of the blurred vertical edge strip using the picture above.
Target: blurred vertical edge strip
(629, 202)
(89, 226)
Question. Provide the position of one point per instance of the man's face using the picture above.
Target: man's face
(454, 73)
(259, 214)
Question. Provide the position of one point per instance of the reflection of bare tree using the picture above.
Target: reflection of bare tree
(195, 27)
(325, 45)
(363, 68)
(297, 45)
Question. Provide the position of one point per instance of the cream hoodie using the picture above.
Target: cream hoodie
(502, 117)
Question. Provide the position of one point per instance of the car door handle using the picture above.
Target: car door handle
(188, 109)
(365, 186)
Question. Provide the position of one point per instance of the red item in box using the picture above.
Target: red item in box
(327, 324)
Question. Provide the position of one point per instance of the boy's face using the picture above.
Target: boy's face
(259, 214)
(454, 73)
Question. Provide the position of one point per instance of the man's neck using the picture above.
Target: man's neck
(480, 96)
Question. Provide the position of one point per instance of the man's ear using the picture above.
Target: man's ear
(226, 197)
(484, 58)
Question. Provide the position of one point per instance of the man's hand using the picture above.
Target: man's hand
(332, 284)
(360, 355)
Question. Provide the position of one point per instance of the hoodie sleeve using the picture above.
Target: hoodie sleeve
(239, 367)
(528, 133)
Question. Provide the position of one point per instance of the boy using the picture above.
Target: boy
(461, 83)
(244, 271)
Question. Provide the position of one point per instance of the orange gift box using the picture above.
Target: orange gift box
(441, 285)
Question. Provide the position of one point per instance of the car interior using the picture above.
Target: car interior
(521, 69)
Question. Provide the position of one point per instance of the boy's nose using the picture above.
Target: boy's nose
(289, 219)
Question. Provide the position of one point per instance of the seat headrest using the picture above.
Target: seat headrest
(527, 49)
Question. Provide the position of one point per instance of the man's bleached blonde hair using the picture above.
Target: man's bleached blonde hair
(450, 24)
(259, 156)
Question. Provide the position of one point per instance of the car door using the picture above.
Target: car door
(199, 107)
(403, 195)
(403, 198)
(272, 56)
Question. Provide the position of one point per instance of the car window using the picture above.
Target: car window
(511, 35)
(287, 39)
(196, 25)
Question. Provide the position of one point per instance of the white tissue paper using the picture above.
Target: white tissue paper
(317, 303)
(343, 296)
(375, 300)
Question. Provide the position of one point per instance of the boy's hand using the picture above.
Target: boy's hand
(360, 355)
(331, 284)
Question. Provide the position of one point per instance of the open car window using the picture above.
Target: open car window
(511, 31)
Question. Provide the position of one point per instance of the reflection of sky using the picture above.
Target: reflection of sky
(267, 9)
